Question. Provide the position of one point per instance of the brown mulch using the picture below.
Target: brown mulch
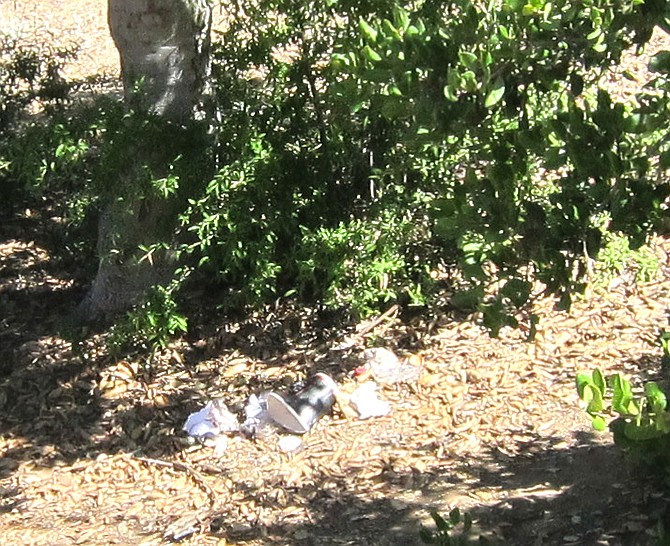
(92, 450)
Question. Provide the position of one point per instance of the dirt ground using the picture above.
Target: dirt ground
(92, 450)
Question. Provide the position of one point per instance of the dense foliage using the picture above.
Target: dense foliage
(369, 147)
(370, 152)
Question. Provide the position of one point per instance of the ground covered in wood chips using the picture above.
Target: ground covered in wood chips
(92, 450)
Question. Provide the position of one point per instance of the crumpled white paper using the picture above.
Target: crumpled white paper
(366, 402)
(211, 421)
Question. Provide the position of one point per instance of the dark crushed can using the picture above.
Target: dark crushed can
(297, 413)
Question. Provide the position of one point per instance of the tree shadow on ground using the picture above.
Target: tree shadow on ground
(552, 494)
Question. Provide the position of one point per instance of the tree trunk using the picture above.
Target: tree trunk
(164, 47)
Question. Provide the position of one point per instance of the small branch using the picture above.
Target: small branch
(184, 467)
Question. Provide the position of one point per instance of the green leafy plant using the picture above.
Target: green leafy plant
(443, 534)
(617, 256)
(664, 340)
(364, 148)
(385, 141)
(151, 324)
(641, 422)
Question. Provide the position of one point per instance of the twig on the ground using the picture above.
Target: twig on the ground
(196, 476)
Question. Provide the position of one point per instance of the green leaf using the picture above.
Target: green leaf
(595, 405)
(371, 54)
(467, 59)
(495, 95)
(664, 160)
(583, 379)
(450, 94)
(517, 290)
(467, 523)
(368, 31)
(660, 62)
(599, 423)
(656, 397)
(622, 396)
(441, 524)
(455, 517)
(390, 31)
(401, 17)
(599, 381)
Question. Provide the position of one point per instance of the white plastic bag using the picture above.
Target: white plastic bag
(366, 402)
(211, 421)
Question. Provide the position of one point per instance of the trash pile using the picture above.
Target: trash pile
(296, 413)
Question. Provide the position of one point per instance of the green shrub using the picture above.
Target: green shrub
(30, 82)
(378, 143)
(642, 422)
(447, 532)
(150, 325)
(363, 148)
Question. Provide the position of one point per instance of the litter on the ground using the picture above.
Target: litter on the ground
(256, 415)
(367, 403)
(211, 421)
(289, 443)
(297, 413)
(387, 368)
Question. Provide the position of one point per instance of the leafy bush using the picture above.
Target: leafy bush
(616, 256)
(151, 325)
(365, 146)
(30, 80)
(642, 425)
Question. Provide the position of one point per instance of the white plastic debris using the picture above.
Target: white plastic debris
(289, 443)
(387, 368)
(367, 403)
(211, 421)
(256, 414)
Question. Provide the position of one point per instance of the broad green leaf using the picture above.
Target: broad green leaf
(390, 31)
(371, 54)
(357, 106)
(470, 81)
(583, 379)
(450, 94)
(455, 516)
(517, 290)
(368, 31)
(599, 423)
(660, 62)
(495, 95)
(599, 380)
(467, 523)
(467, 59)
(596, 404)
(655, 396)
(440, 522)
(401, 18)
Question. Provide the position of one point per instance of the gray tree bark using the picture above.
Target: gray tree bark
(164, 47)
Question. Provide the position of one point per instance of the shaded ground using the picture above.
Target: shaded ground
(92, 450)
